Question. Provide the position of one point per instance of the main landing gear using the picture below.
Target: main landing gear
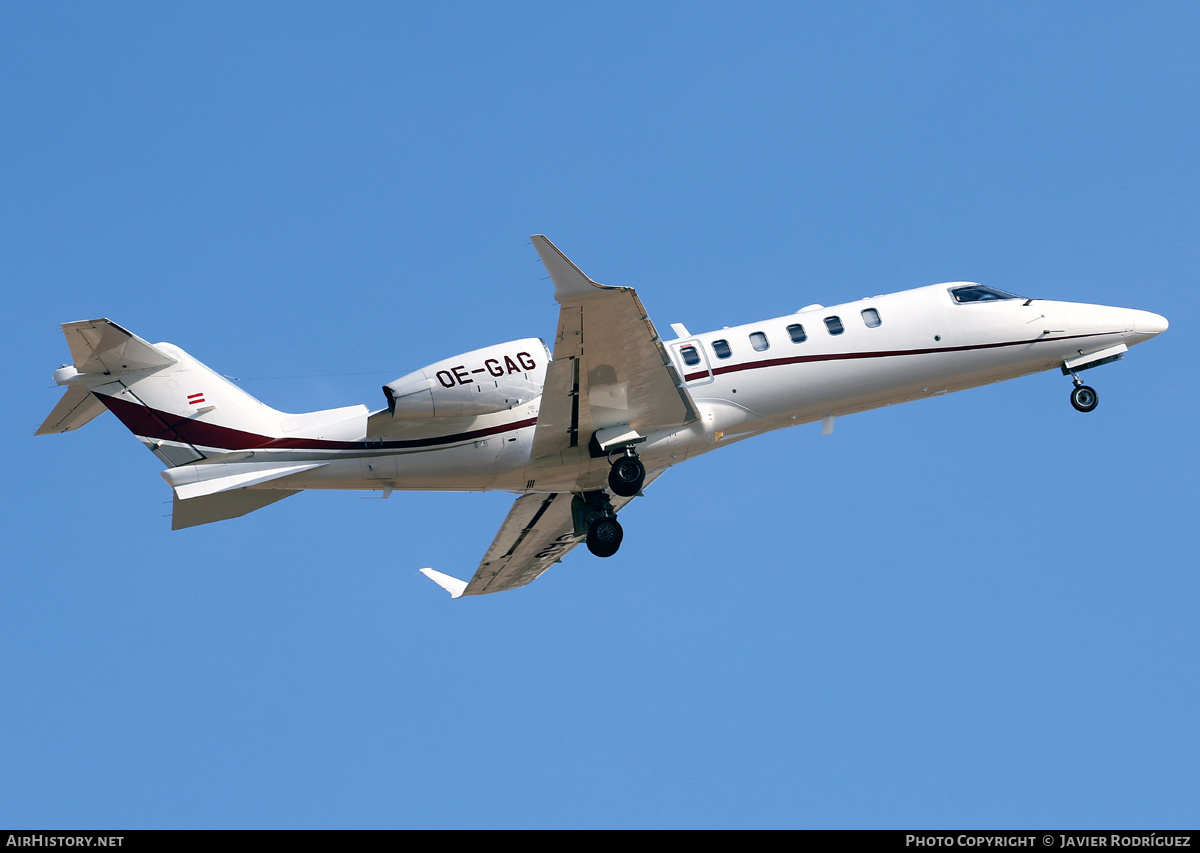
(627, 474)
(593, 514)
(604, 536)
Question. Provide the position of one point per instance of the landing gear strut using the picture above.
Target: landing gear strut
(593, 514)
(627, 474)
(1083, 397)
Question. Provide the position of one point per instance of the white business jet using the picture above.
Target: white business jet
(576, 433)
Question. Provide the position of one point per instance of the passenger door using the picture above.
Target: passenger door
(692, 362)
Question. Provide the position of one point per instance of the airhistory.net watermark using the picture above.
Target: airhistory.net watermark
(39, 840)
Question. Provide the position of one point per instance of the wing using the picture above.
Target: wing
(537, 533)
(610, 370)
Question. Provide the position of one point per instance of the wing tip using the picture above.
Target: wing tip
(452, 585)
(570, 282)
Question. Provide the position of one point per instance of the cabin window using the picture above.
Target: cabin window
(758, 340)
(834, 325)
(721, 348)
(980, 293)
(871, 318)
(690, 356)
(796, 333)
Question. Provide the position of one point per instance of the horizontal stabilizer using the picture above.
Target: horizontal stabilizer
(195, 481)
(76, 408)
(219, 507)
(101, 346)
(452, 585)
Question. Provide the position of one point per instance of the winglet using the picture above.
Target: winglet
(569, 281)
(452, 585)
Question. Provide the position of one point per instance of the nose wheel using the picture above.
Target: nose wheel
(1084, 398)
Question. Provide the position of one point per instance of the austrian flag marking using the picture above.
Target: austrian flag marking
(195, 399)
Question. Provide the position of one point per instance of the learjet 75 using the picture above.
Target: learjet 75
(579, 429)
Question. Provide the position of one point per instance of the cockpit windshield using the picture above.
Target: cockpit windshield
(980, 293)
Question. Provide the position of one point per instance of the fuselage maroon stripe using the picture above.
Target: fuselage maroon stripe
(152, 423)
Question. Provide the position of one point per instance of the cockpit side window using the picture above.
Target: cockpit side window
(980, 293)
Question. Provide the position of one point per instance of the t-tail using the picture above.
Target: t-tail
(205, 428)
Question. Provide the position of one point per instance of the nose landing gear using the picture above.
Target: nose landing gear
(1084, 397)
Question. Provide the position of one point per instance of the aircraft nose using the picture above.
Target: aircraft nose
(1136, 326)
(1149, 324)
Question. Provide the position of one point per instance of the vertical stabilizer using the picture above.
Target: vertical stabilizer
(178, 407)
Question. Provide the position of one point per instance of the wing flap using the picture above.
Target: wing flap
(535, 535)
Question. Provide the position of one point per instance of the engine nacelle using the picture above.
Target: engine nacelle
(492, 379)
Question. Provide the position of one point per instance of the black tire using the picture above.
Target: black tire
(626, 476)
(1084, 398)
(604, 536)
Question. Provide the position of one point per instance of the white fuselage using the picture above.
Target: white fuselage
(891, 349)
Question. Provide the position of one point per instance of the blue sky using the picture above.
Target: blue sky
(978, 610)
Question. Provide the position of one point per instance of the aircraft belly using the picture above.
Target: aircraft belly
(558, 472)
(576, 470)
(462, 468)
